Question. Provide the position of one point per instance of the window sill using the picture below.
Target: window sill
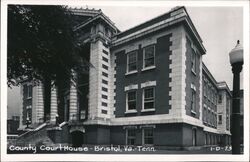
(131, 72)
(193, 72)
(148, 68)
(147, 110)
(130, 111)
(193, 112)
(28, 98)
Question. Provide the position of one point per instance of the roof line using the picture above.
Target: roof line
(209, 73)
(227, 88)
(188, 21)
(145, 22)
(101, 15)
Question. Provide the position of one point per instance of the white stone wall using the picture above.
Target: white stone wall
(94, 86)
(73, 107)
(34, 108)
(53, 104)
(95, 82)
(178, 74)
(39, 104)
(112, 84)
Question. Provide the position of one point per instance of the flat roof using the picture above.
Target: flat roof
(171, 15)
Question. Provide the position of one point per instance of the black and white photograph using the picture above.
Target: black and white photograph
(105, 80)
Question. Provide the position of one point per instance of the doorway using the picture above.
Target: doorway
(77, 138)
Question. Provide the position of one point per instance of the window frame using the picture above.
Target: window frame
(103, 111)
(105, 59)
(193, 99)
(127, 101)
(105, 82)
(205, 113)
(144, 57)
(209, 116)
(130, 137)
(204, 88)
(136, 61)
(144, 137)
(143, 99)
(193, 61)
(105, 67)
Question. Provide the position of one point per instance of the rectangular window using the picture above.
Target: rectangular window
(29, 91)
(209, 116)
(132, 61)
(104, 74)
(149, 56)
(105, 67)
(131, 100)
(213, 96)
(204, 113)
(206, 90)
(104, 89)
(104, 104)
(227, 123)
(104, 96)
(105, 59)
(193, 101)
(193, 61)
(105, 52)
(149, 98)
(105, 45)
(215, 119)
(104, 111)
(148, 138)
(220, 119)
(131, 136)
(220, 99)
(104, 82)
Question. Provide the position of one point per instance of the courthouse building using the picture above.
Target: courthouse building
(148, 86)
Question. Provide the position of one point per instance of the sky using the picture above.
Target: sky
(219, 28)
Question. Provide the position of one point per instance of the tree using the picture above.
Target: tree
(42, 46)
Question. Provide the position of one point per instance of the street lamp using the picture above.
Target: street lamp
(236, 60)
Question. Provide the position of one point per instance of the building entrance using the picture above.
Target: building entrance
(77, 138)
